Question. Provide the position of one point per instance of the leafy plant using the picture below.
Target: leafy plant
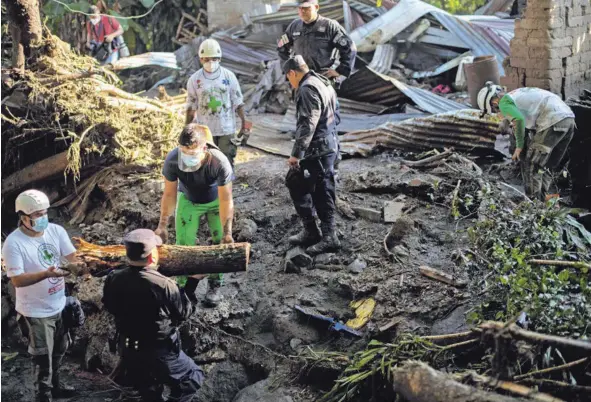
(556, 298)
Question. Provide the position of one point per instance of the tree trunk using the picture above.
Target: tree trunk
(25, 29)
(40, 170)
(417, 382)
(173, 260)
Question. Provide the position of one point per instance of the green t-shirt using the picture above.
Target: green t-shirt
(509, 109)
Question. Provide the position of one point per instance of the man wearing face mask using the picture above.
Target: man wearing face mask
(32, 254)
(318, 40)
(214, 98)
(102, 29)
(311, 176)
(197, 181)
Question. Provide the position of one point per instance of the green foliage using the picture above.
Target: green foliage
(556, 298)
(458, 6)
(370, 371)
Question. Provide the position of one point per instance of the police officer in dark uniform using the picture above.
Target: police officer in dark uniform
(317, 39)
(311, 179)
(148, 307)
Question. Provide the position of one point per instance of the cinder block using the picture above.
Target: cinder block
(521, 62)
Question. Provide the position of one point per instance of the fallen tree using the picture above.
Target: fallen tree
(173, 260)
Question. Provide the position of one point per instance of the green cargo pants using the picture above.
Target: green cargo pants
(188, 215)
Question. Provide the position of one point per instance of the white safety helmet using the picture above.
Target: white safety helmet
(486, 94)
(210, 48)
(31, 201)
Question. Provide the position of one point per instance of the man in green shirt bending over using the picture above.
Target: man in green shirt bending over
(552, 122)
(197, 181)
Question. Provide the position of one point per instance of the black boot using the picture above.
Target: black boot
(308, 236)
(213, 297)
(43, 378)
(330, 242)
(190, 288)
(59, 388)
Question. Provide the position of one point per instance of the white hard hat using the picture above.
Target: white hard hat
(31, 201)
(486, 94)
(210, 48)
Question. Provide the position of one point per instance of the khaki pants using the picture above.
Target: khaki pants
(48, 342)
(544, 155)
(225, 144)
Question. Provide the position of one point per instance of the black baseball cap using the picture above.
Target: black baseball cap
(293, 63)
(139, 243)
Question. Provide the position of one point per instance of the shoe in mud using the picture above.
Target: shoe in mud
(309, 235)
(214, 296)
(328, 243)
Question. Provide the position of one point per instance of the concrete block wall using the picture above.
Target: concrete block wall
(551, 48)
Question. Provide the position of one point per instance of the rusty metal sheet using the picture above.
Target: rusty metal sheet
(463, 130)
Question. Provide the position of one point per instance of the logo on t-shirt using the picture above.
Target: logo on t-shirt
(48, 255)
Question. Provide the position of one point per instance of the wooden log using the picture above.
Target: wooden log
(173, 260)
(440, 276)
(417, 382)
(41, 170)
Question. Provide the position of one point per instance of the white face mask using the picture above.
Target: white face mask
(94, 20)
(211, 66)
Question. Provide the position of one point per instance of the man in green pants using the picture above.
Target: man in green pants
(198, 181)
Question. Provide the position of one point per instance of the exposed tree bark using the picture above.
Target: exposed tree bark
(173, 260)
(25, 29)
(37, 171)
(417, 382)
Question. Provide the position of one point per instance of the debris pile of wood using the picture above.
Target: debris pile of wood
(67, 116)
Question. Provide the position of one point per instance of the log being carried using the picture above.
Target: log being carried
(173, 261)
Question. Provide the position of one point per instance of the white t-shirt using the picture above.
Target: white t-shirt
(215, 98)
(26, 254)
(542, 109)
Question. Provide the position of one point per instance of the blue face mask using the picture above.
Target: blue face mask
(40, 224)
(190, 160)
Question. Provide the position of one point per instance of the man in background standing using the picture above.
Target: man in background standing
(214, 98)
(103, 32)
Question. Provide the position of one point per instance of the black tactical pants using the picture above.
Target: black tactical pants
(312, 190)
(148, 369)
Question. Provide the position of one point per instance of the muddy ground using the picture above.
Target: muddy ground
(255, 334)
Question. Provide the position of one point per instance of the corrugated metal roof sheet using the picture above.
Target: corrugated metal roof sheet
(288, 12)
(383, 58)
(463, 130)
(366, 85)
(479, 40)
(495, 6)
(162, 59)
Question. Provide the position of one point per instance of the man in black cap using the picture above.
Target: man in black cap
(318, 40)
(148, 307)
(311, 177)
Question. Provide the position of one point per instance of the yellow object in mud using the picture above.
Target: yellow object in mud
(363, 311)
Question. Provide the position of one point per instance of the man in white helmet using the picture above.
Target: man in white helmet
(552, 125)
(33, 254)
(214, 98)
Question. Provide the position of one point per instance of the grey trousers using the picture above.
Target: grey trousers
(48, 342)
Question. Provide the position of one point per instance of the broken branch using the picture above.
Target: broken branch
(559, 263)
(440, 276)
(428, 160)
(552, 369)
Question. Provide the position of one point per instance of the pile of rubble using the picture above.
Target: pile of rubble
(409, 65)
